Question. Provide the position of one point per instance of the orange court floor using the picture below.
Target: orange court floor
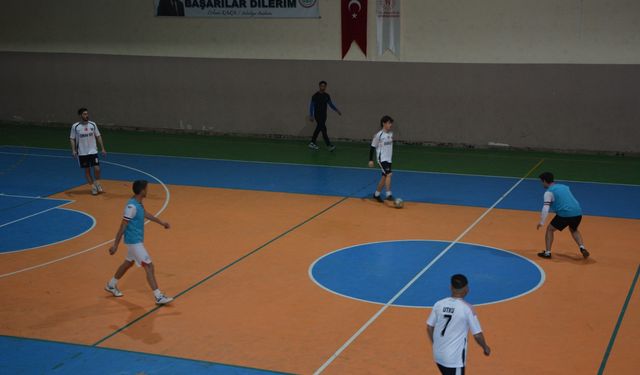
(238, 262)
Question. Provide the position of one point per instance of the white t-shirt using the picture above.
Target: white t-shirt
(383, 142)
(85, 137)
(452, 318)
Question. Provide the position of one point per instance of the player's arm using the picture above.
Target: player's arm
(476, 331)
(372, 150)
(548, 199)
(479, 337)
(116, 242)
(150, 217)
(333, 106)
(430, 332)
(312, 109)
(99, 139)
(104, 150)
(72, 141)
(431, 323)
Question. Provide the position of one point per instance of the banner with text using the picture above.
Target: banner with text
(354, 25)
(238, 8)
(388, 24)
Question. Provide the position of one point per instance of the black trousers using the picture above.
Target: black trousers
(321, 127)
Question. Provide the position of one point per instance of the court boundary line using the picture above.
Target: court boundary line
(37, 266)
(335, 166)
(93, 225)
(35, 197)
(616, 328)
(231, 264)
(375, 316)
(536, 287)
(142, 353)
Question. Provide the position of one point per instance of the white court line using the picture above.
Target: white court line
(93, 225)
(29, 216)
(416, 277)
(164, 206)
(326, 166)
(33, 197)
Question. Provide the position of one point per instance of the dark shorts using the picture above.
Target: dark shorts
(88, 161)
(386, 168)
(561, 222)
(450, 370)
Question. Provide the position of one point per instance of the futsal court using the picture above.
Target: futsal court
(292, 268)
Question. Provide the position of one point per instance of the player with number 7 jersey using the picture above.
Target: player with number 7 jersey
(448, 325)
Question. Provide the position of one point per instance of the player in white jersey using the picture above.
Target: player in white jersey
(382, 150)
(448, 325)
(83, 146)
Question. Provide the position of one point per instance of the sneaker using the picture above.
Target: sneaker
(377, 198)
(163, 300)
(99, 187)
(585, 253)
(313, 146)
(545, 255)
(332, 148)
(113, 290)
(94, 190)
(390, 198)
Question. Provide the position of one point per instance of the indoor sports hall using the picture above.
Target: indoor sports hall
(279, 257)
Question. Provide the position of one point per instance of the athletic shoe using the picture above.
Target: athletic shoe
(544, 254)
(94, 190)
(390, 198)
(585, 253)
(313, 146)
(378, 198)
(332, 148)
(99, 187)
(113, 290)
(163, 300)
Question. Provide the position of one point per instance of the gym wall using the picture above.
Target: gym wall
(544, 74)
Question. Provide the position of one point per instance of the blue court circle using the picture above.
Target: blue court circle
(376, 272)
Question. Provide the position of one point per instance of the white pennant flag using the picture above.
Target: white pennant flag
(388, 22)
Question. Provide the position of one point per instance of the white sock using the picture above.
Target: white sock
(113, 282)
(157, 293)
(377, 193)
(582, 247)
(388, 193)
(97, 183)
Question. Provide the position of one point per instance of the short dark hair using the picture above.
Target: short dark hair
(81, 110)
(384, 119)
(139, 185)
(459, 281)
(322, 83)
(546, 177)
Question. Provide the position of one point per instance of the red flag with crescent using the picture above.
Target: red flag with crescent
(354, 25)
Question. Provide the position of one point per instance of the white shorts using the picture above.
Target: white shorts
(137, 253)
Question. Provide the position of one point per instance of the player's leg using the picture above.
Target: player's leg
(96, 172)
(387, 185)
(577, 236)
(379, 188)
(314, 137)
(325, 136)
(558, 223)
(112, 285)
(161, 299)
(450, 370)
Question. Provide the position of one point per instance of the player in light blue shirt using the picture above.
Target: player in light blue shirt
(132, 228)
(559, 199)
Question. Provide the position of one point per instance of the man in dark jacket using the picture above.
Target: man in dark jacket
(318, 112)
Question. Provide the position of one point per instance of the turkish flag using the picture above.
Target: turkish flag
(354, 25)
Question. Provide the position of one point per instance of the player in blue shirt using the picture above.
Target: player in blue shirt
(132, 228)
(558, 198)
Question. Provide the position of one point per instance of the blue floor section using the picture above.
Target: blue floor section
(46, 357)
(376, 272)
(16, 208)
(598, 199)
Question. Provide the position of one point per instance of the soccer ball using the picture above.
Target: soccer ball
(398, 203)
